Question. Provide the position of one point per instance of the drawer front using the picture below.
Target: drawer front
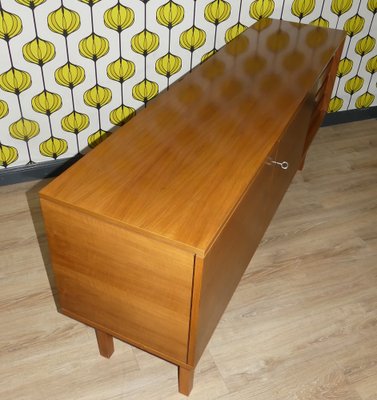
(133, 287)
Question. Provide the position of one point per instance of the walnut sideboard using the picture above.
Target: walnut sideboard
(151, 232)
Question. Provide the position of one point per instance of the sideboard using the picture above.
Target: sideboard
(150, 232)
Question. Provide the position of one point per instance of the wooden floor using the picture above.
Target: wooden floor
(301, 325)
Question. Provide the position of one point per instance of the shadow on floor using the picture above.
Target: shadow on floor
(32, 197)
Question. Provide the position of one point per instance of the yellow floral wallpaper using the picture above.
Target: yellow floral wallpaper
(71, 70)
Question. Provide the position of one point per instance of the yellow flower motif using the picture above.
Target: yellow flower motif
(365, 45)
(53, 147)
(365, 100)
(320, 21)
(4, 109)
(234, 31)
(15, 81)
(145, 90)
(121, 115)
(170, 14)
(168, 65)
(192, 38)
(94, 47)
(145, 42)
(97, 137)
(10, 25)
(354, 25)
(90, 2)
(119, 17)
(63, 21)
(302, 8)
(371, 66)
(120, 70)
(261, 9)
(217, 11)
(344, 67)
(24, 129)
(340, 7)
(372, 6)
(70, 75)
(8, 155)
(46, 102)
(354, 84)
(208, 55)
(38, 51)
(335, 104)
(75, 122)
(98, 96)
(31, 3)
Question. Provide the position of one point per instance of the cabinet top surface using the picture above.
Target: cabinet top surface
(177, 170)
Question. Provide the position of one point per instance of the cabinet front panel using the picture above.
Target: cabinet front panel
(290, 150)
(222, 268)
(133, 287)
(218, 274)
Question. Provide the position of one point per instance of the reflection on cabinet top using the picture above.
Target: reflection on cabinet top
(178, 169)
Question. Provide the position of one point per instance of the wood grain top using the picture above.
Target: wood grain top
(178, 169)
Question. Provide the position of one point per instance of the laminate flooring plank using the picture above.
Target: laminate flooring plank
(302, 324)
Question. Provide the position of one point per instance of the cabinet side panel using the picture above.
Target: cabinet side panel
(218, 274)
(135, 287)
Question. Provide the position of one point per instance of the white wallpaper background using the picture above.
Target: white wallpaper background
(72, 70)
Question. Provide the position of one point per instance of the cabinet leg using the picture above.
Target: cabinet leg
(105, 343)
(185, 380)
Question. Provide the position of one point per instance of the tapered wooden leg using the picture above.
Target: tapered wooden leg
(185, 380)
(105, 343)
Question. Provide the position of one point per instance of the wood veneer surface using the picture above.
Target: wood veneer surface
(178, 169)
(301, 324)
(225, 263)
(136, 288)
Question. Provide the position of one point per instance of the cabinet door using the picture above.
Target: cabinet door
(217, 275)
(289, 153)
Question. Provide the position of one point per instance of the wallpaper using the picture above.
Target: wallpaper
(71, 71)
